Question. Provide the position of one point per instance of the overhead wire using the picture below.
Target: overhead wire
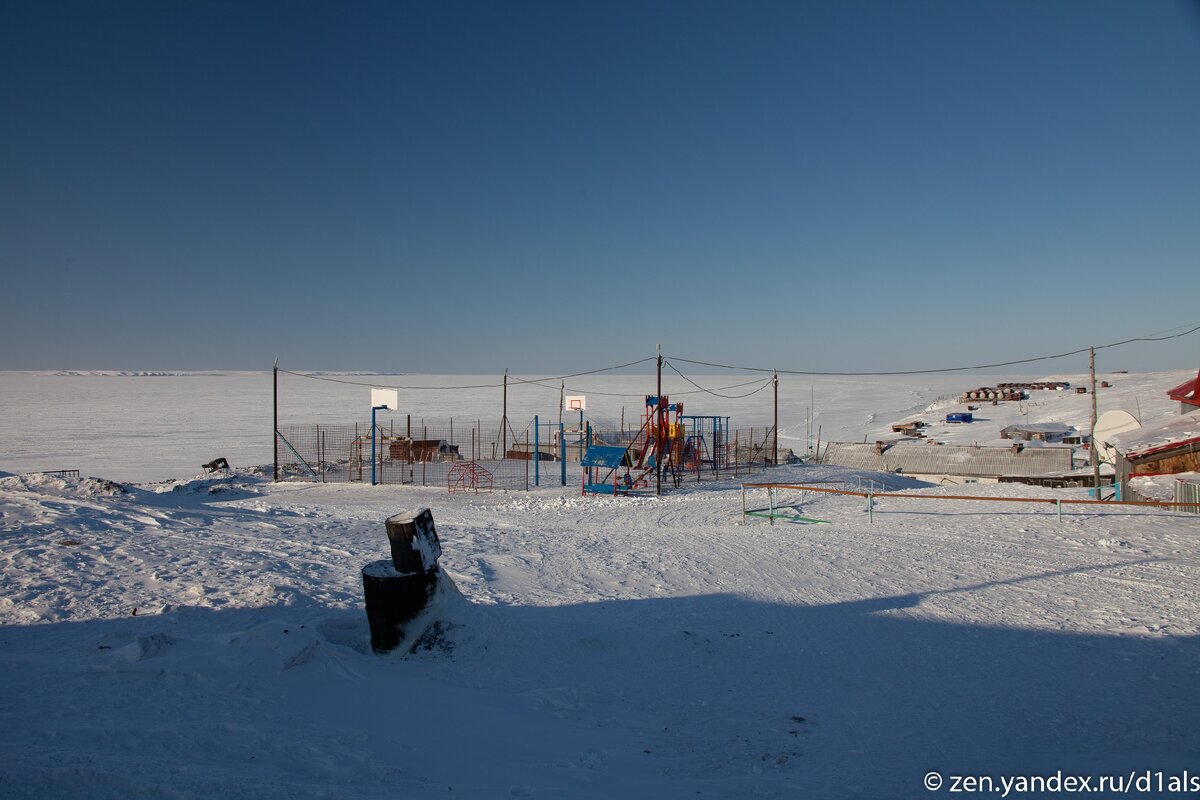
(714, 393)
(468, 386)
(943, 369)
(542, 382)
(700, 390)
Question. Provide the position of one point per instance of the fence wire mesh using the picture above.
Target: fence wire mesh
(424, 453)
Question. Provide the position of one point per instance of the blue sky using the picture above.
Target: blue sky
(464, 187)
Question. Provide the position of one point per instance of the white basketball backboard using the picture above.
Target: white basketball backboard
(389, 398)
(575, 402)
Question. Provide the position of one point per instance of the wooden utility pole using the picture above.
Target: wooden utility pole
(658, 438)
(504, 420)
(1092, 449)
(775, 380)
(275, 416)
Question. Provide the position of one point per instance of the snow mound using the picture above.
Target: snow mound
(53, 483)
(227, 486)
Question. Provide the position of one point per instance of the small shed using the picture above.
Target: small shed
(1038, 432)
(404, 449)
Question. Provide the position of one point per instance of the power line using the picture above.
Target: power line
(764, 385)
(467, 386)
(539, 382)
(944, 369)
(701, 390)
(588, 372)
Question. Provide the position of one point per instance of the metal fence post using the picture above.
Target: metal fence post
(537, 453)
(562, 452)
(373, 410)
(870, 508)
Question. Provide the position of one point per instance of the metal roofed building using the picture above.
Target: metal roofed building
(1165, 449)
(1037, 431)
(965, 461)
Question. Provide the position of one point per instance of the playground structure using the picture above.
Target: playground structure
(658, 447)
(708, 444)
(395, 448)
(467, 476)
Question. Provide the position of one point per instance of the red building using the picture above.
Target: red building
(1188, 394)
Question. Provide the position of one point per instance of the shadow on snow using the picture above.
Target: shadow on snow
(716, 696)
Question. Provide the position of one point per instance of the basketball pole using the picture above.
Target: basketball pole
(373, 410)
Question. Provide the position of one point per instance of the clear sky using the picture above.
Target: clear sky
(550, 186)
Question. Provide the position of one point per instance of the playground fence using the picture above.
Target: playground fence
(420, 452)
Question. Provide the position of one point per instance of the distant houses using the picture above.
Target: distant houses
(1041, 453)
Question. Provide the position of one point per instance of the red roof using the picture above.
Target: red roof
(1163, 448)
(1187, 392)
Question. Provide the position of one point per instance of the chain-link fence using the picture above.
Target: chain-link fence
(478, 455)
(422, 454)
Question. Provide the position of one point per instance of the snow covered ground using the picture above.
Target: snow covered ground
(154, 426)
(594, 648)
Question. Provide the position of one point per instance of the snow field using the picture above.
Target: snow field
(593, 647)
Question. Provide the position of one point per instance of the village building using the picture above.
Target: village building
(1167, 449)
(1187, 394)
(934, 461)
(1038, 432)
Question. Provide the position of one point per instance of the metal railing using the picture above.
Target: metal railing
(871, 497)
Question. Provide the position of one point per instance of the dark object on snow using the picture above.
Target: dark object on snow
(960, 417)
(216, 464)
(393, 600)
(415, 545)
(397, 591)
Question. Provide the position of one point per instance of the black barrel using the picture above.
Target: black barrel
(394, 599)
(415, 545)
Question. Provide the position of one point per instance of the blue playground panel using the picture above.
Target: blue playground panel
(606, 456)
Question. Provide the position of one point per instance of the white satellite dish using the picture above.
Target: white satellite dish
(1109, 425)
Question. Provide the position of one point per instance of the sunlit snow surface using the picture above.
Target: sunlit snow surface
(592, 648)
